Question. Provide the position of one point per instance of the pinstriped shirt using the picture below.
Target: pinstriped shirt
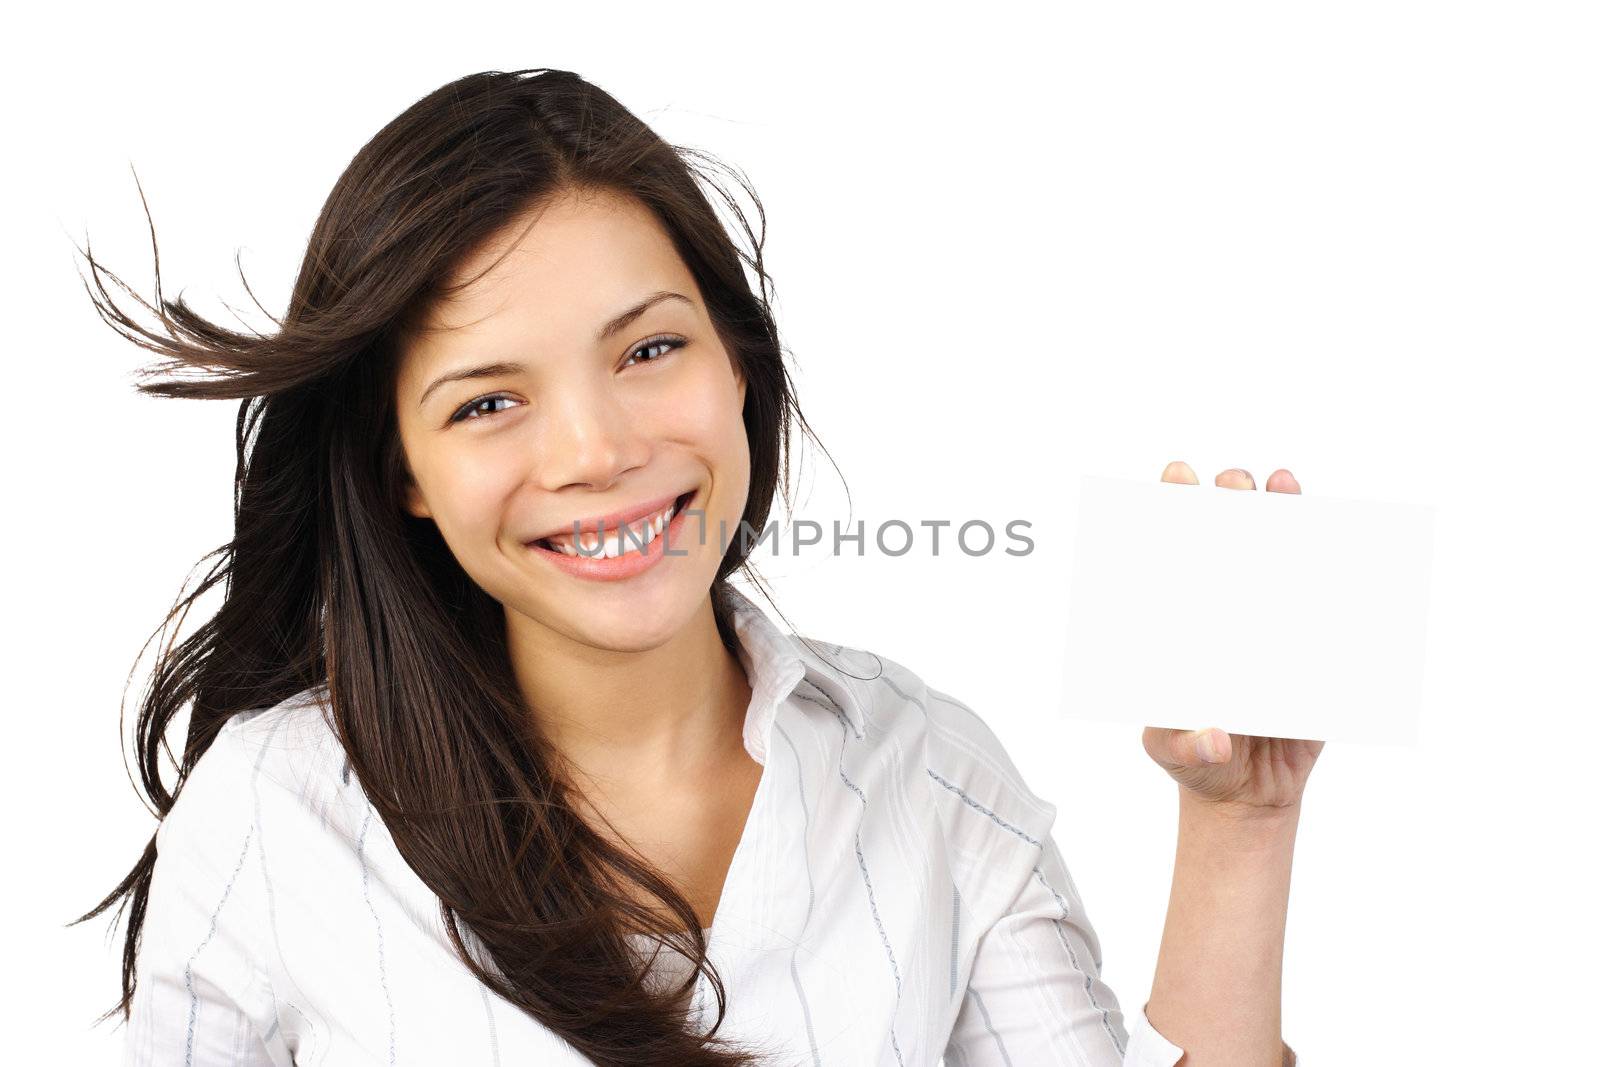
(896, 898)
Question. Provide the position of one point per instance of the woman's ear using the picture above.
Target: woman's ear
(415, 505)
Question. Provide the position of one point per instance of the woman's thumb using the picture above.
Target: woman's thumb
(1200, 748)
(1177, 749)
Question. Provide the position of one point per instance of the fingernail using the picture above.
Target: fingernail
(1208, 747)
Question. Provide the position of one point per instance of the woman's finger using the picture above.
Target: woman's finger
(1181, 472)
(1281, 481)
(1195, 748)
(1236, 478)
(1176, 749)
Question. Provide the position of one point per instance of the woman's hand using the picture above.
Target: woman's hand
(1241, 773)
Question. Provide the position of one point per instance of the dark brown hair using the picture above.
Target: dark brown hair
(329, 580)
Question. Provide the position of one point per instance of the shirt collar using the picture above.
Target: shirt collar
(776, 664)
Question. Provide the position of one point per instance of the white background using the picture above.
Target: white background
(1011, 247)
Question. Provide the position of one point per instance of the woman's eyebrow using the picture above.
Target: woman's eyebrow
(622, 320)
(487, 370)
(490, 370)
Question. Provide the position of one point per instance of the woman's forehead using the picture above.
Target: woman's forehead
(570, 259)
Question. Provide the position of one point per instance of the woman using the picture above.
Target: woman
(465, 784)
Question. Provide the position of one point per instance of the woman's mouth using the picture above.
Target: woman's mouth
(623, 551)
(633, 535)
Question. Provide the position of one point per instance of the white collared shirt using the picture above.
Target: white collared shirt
(896, 898)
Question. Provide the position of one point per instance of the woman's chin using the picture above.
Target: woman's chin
(635, 619)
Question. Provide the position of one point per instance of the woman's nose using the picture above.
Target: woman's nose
(590, 440)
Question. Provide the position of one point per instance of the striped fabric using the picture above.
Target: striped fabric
(896, 898)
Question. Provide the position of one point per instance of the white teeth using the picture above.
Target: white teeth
(617, 543)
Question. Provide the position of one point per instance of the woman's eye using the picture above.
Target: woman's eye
(649, 351)
(659, 345)
(466, 412)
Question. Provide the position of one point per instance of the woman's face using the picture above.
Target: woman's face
(584, 412)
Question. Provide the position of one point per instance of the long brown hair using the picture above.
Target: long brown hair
(328, 580)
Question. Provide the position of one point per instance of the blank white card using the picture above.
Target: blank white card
(1276, 614)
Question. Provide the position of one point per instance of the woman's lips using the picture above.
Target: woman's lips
(632, 560)
(613, 521)
(613, 530)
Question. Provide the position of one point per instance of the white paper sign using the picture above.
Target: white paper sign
(1276, 614)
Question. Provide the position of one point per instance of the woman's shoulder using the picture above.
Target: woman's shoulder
(293, 742)
(285, 755)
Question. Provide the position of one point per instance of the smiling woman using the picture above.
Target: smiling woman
(519, 314)
(600, 429)
(487, 758)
